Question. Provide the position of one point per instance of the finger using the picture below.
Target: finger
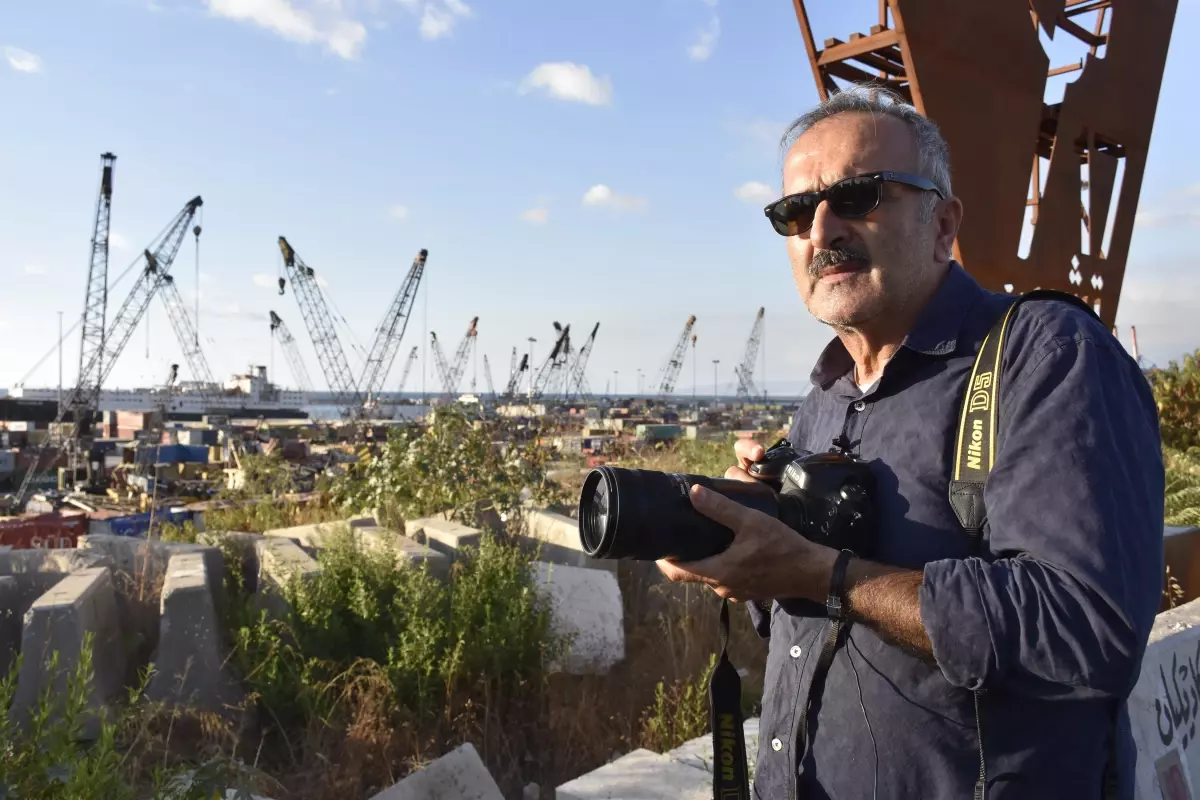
(739, 474)
(717, 507)
(747, 451)
(673, 572)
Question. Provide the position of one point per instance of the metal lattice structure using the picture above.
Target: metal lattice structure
(391, 330)
(555, 364)
(95, 304)
(189, 340)
(317, 319)
(1072, 169)
(577, 385)
(291, 352)
(670, 370)
(745, 371)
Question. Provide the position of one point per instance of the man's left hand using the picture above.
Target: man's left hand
(766, 560)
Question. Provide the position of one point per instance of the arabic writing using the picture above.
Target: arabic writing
(1178, 713)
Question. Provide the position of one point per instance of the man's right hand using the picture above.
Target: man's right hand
(747, 451)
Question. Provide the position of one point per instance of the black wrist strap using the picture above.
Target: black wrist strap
(731, 780)
(835, 605)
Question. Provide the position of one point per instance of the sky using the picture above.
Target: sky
(561, 161)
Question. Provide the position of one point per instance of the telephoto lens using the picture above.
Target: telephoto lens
(645, 515)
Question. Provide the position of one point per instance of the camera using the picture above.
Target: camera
(646, 515)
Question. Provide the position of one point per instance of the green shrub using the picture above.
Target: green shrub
(1177, 393)
(1182, 502)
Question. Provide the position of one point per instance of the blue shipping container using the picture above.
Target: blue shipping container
(139, 524)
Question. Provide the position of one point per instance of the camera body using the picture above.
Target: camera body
(647, 515)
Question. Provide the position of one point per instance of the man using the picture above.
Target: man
(1012, 654)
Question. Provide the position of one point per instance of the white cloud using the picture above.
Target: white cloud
(568, 81)
(538, 215)
(438, 17)
(706, 40)
(33, 269)
(398, 212)
(1180, 218)
(265, 281)
(22, 60)
(303, 21)
(117, 242)
(755, 193)
(601, 195)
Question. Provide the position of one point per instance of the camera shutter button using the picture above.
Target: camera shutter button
(859, 405)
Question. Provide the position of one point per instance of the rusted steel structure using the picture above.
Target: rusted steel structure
(1072, 169)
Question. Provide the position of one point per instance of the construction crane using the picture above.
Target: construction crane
(412, 357)
(451, 374)
(391, 331)
(95, 306)
(555, 364)
(320, 328)
(670, 371)
(487, 376)
(158, 263)
(577, 383)
(291, 352)
(745, 370)
(515, 377)
(189, 341)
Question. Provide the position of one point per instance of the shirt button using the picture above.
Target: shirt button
(860, 405)
(776, 745)
(795, 651)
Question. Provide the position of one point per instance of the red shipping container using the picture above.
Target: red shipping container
(47, 531)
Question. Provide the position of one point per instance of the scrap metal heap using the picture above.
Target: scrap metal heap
(979, 71)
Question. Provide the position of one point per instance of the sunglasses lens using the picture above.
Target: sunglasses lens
(792, 216)
(855, 197)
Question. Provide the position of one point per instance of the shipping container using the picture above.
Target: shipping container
(50, 531)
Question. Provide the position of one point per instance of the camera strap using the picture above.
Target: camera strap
(731, 779)
(974, 457)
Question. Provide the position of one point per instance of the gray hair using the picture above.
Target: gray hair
(933, 154)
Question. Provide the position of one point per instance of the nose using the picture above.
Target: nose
(828, 229)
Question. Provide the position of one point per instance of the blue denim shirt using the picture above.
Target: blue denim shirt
(1049, 617)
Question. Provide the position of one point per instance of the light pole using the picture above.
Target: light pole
(715, 362)
(60, 338)
(639, 382)
(694, 405)
(616, 385)
(531, 343)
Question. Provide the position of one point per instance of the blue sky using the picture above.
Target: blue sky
(364, 130)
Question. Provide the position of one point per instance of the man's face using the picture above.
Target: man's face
(852, 271)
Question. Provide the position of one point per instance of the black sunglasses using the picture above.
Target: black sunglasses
(849, 198)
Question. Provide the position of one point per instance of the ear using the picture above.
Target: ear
(947, 219)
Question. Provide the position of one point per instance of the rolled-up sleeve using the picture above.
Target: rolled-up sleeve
(1062, 603)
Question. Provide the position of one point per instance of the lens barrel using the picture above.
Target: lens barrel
(645, 515)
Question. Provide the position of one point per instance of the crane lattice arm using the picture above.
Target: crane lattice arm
(291, 352)
(95, 304)
(555, 362)
(412, 358)
(670, 371)
(391, 330)
(487, 376)
(745, 370)
(189, 342)
(439, 359)
(461, 356)
(320, 328)
(577, 383)
(511, 389)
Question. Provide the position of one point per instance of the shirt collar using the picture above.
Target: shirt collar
(935, 333)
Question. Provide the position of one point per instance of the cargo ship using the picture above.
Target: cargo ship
(246, 395)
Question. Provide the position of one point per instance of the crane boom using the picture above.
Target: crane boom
(511, 389)
(555, 362)
(320, 328)
(387, 338)
(189, 342)
(461, 356)
(745, 370)
(487, 376)
(412, 357)
(291, 352)
(577, 383)
(439, 358)
(95, 303)
(670, 371)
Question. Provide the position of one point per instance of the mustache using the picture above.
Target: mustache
(824, 259)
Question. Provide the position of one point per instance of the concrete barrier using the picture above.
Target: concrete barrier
(147, 559)
(279, 560)
(58, 621)
(62, 561)
(17, 593)
(458, 775)
(314, 538)
(556, 539)
(190, 665)
(640, 775)
(587, 606)
(442, 535)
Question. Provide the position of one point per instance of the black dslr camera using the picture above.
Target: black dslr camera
(647, 515)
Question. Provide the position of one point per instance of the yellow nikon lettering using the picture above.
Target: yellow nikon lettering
(728, 746)
(981, 398)
(975, 446)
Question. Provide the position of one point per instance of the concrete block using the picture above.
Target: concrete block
(458, 775)
(311, 537)
(80, 603)
(698, 752)
(39, 560)
(17, 593)
(190, 664)
(442, 535)
(587, 605)
(555, 537)
(314, 538)
(147, 559)
(640, 775)
(279, 561)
